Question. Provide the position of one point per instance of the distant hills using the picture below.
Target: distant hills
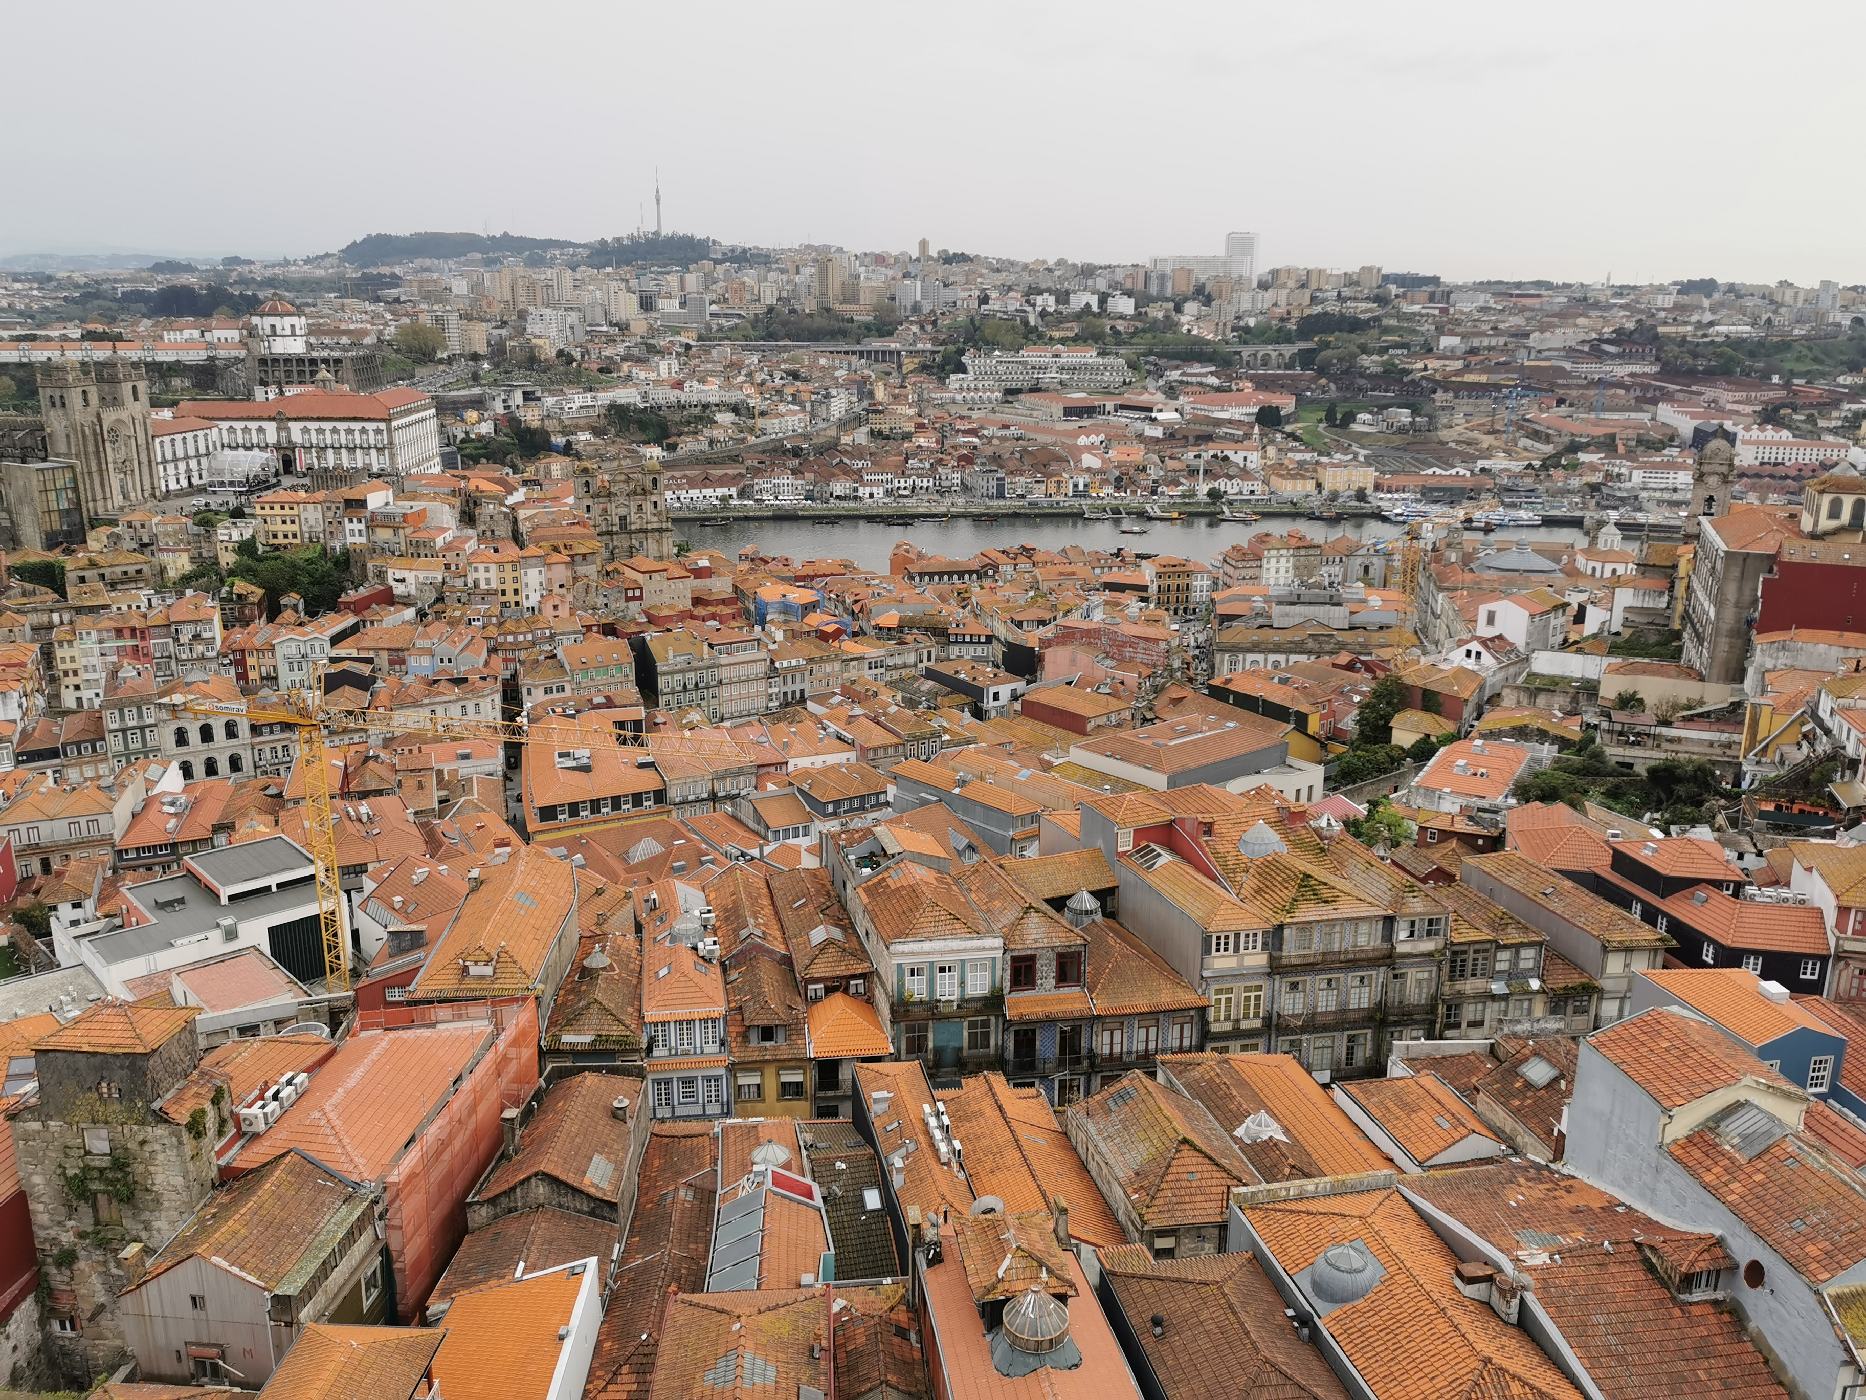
(380, 249)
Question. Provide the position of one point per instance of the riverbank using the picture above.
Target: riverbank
(915, 511)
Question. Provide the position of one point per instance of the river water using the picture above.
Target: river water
(868, 543)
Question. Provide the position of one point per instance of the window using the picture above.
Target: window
(688, 1089)
(946, 981)
(1356, 1050)
(1293, 1000)
(1752, 962)
(97, 1142)
(1810, 969)
(1708, 952)
(1224, 1005)
(1023, 972)
(978, 1035)
(978, 977)
(372, 1282)
(64, 1322)
(790, 1084)
(1250, 1001)
(1069, 969)
(751, 1088)
(1108, 1042)
(914, 1040)
(715, 1089)
(1697, 1283)
(1360, 990)
(917, 981)
(1147, 1038)
(1321, 1058)
(198, 1301)
(1327, 993)
(683, 1037)
(1820, 1074)
(1662, 923)
(1219, 945)
(1181, 1030)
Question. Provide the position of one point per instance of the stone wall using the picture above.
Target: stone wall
(22, 1360)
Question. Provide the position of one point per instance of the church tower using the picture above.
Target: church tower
(627, 507)
(1711, 482)
(98, 417)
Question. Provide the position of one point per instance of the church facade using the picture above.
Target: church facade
(627, 507)
(88, 453)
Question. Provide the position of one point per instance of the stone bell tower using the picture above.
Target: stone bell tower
(97, 415)
(1711, 482)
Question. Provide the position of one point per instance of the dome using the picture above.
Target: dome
(1516, 558)
(276, 307)
(1082, 902)
(770, 1154)
(1036, 1322)
(1260, 841)
(597, 961)
(1343, 1274)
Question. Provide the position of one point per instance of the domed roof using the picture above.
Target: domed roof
(1341, 1274)
(1036, 1322)
(276, 307)
(1517, 558)
(1082, 902)
(1260, 841)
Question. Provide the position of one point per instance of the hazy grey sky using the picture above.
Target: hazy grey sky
(1649, 138)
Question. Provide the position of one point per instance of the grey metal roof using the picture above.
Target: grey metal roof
(268, 858)
(199, 912)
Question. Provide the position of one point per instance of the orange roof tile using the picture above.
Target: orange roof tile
(1677, 1058)
(843, 1027)
(330, 1362)
(120, 1028)
(244, 1067)
(1168, 1156)
(575, 1139)
(506, 1342)
(1319, 1139)
(1421, 1112)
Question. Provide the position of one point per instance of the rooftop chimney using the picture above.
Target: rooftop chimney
(508, 1130)
(1059, 1214)
(133, 1259)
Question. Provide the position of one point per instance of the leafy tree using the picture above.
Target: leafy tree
(1214, 493)
(420, 342)
(35, 918)
(1360, 494)
(315, 574)
(1330, 417)
(1373, 722)
(1269, 416)
(1381, 824)
(47, 573)
(1431, 702)
(1363, 762)
(1631, 701)
(1425, 746)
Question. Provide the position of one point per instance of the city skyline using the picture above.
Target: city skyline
(1525, 158)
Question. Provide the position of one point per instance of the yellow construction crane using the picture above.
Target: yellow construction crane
(312, 723)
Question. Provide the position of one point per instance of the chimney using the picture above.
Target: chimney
(472, 879)
(1506, 1297)
(618, 1109)
(508, 1129)
(1474, 1279)
(1059, 1214)
(1774, 991)
(133, 1259)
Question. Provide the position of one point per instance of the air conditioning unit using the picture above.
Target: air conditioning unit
(707, 916)
(253, 1120)
(708, 948)
(300, 1081)
(271, 1110)
(284, 1093)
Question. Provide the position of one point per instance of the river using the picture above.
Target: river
(868, 543)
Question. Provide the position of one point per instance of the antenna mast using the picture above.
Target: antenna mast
(657, 201)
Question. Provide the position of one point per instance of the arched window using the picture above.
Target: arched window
(211, 766)
(207, 733)
(187, 770)
(181, 736)
(1856, 517)
(234, 764)
(1834, 507)
(233, 729)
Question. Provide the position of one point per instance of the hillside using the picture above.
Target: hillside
(375, 249)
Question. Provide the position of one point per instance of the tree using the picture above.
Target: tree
(1381, 826)
(1373, 722)
(420, 342)
(47, 573)
(1360, 494)
(1629, 701)
(314, 574)
(1214, 493)
(35, 918)
(1424, 747)
(1330, 416)
(1269, 416)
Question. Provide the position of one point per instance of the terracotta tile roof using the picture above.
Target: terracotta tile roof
(1677, 1058)
(1554, 835)
(1063, 874)
(1476, 770)
(370, 1099)
(1686, 857)
(1842, 868)
(761, 990)
(1564, 899)
(120, 1028)
(1800, 1201)
(667, 1248)
(1849, 1021)
(843, 1027)
(273, 1227)
(509, 924)
(1742, 923)
(540, 1238)
(1169, 1157)
(908, 901)
(1733, 998)
(1841, 1136)
(1005, 1254)
(1422, 1113)
(1541, 1109)
(506, 1341)
(678, 984)
(1412, 1336)
(575, 1139)
(927, 1183)
(1218, 1304)
(243, 1067)
(329, 1362)
(1319, 1139)
(1586, 1255)
(1203, 901)
(1124, 977)
(1017, 1151)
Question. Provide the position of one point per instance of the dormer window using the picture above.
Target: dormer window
(1699, 1283)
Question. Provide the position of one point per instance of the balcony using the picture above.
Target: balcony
(1071, 1063)
(1333, 957)
(1342, 1016)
